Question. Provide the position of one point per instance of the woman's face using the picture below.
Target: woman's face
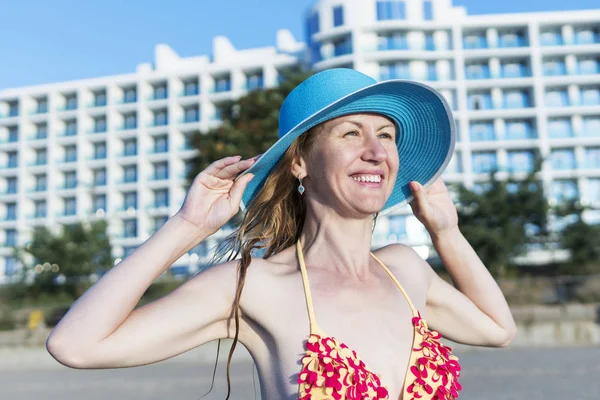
(353, 164)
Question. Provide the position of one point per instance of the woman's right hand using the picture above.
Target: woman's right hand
(214, 196)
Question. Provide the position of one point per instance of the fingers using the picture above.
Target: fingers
(233, 170)
(218, 165)
(235, 194)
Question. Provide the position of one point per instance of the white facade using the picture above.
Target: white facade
(518, 84)
(117, 147)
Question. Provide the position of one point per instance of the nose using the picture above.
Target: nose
(374, 150)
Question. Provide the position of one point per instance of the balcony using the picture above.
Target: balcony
(475, 42)
(508, 41)
(479, 72)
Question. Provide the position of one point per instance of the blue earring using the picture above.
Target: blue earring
(300, 188)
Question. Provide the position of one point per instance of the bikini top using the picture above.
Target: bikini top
(333, 371)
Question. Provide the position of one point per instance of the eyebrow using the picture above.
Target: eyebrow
(388, 125)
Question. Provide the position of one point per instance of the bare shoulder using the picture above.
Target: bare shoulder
(406, 264)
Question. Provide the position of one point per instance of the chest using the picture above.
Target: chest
(372, 319)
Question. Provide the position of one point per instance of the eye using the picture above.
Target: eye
(387, 135)
(351, 132)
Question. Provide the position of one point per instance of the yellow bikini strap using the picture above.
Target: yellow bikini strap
(412, 307)
(309, 305)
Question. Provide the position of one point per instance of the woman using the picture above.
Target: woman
(322, 316)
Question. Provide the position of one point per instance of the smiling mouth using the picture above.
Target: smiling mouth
(374, 181)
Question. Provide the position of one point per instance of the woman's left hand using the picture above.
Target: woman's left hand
(434, 207)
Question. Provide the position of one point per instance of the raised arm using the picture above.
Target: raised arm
(103, 330)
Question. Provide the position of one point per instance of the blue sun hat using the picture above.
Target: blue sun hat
(423, 119)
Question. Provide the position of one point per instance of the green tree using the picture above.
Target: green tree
(250, 124)
(581, 239)
(74, 253)
(500, 221)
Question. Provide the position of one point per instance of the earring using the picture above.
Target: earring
(300, 188)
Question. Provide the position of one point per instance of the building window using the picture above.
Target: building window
(161, 118)
(100, 99)
(396, 227)
(338, 16)
(520, 161)
(13, 134)
(593, 190)
(130, 147)
(190, 88)
(99, 202)
(514, 69)
(100, 177)
(393, 41)
(312, 26)
(479, 101)
(512, 39)
(254, 81)
(11, 185)
(587, 36)
(70, 179)
(191, 114)
(517, 129)
(160, 92)
(130, 173)
(13, 109)
(99, 151)
(71, 102)
(559, 128)
(13, 159)
(10, 239)
(554, 67)
(129, 95)
(100, 124)
(590, 96)
(390, 10)
(482, 131)
(130, 228)
(70, 206)
(161, 198)
(130, 121)
(556, 98)
(42, 105)
(40, 209)
(222, 84)
(475, 41)
(564, 189)
(11, 265)
(70, 153)
(562, 159)
(592, 157)
(40, 183)
(71, 127)
(129, 200)
(161, 144)
(398, 70)
(516, 99)
(477, 71)
(41, 131)
(161, 171)
(427, 10)
(483, 162)
(551, 38)
(342, 46)
(591, 126)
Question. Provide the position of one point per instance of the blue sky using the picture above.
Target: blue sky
(45, 41)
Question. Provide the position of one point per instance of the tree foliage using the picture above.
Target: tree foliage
(250, 124)
(497, 220)
(74, 253)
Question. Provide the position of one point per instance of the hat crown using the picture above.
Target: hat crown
(318, 92)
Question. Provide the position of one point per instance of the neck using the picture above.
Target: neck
(337, 243)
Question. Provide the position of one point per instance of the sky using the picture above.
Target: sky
(45, 41)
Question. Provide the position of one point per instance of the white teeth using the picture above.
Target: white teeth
(367, 178)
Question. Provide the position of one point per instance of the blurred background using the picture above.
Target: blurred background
(108, 110)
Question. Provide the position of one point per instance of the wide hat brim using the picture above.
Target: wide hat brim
(425, 140)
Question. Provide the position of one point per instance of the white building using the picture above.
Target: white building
(519, 84)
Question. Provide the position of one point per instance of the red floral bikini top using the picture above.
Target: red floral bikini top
(332, 371)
